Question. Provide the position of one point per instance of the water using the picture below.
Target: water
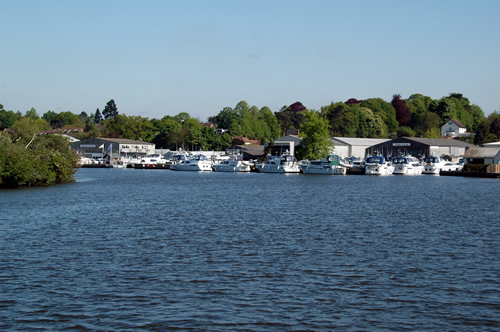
(162, 250)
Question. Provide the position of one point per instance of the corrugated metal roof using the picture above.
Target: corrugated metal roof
(482, 153)
(356, 141)
(124, 141)
(440, 142)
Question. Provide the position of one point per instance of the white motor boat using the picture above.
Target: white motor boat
(279, 164)
(434, 165)
(330, 165)
(378, 165)
(233, 164)
(197, 163)
(407, 165)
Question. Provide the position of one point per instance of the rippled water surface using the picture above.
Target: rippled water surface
(159, 250)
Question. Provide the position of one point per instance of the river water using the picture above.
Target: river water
(125, 249)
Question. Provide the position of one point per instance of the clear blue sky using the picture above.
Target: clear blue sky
(157, 58)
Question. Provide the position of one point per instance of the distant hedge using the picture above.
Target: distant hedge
(43, 160)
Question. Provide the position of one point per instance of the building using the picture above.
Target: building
(285, 143)
(477, 155)
(453, 129)
(354, 146)
(420, 147)
(113, 147)
(492, 145)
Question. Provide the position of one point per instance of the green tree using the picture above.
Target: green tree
(110, 110)
(97, 117)
(131, 127)
(316, 142)
(164, 129)
(7, 118)
(27, 159)
(32, 113)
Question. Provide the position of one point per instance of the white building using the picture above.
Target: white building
(453, 128)
(354, 146)
(113, 147)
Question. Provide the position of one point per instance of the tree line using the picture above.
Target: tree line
(416, 116)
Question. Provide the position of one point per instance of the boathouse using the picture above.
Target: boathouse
(354, 146)
(285, 143)
(482, 156)
(113, 147)
(420, 147)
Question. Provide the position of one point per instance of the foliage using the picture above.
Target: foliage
(7, 118)
(290, 117)
(131, 127)
(403, 114)
(315, 134)
(36, 160)
(110, 111)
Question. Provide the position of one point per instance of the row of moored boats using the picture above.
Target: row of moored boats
(286, 163)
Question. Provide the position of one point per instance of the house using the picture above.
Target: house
(420, 147)
(453, 129)
(477, 155)
(114, 147)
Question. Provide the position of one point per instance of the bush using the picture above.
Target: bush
(44, 160)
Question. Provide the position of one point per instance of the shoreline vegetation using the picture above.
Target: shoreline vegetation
(35, 160)
(30, 159)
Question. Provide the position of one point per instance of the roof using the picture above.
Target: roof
(289, 138)
(492, 145)
(123, 141)
(440, 142)
(356, 141)
(458, 123)
(482, 153)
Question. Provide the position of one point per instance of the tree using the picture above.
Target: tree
(7, 118)
(290, 117)
(97, 117)
(32, 113)
(110, 110)
(315, 134)
(403, 114)
(131, 127)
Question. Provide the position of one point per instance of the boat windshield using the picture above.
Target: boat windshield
(376, 160)
(400, 160)
(432, 160)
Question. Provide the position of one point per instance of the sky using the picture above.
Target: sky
(162, 57)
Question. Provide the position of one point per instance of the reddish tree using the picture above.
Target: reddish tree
(353, 101)
(403, 114)
(296, 107)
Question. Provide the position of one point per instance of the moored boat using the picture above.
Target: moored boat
(234, 164)
(407, 165)
(330, 165)
(378, 165)
(279, 164)
(196, 163)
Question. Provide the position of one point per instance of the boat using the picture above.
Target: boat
(407, 165)
(235, 163)
(434, 165)
(196, 163)
(378, 165)
(330, 165)
(285, 163)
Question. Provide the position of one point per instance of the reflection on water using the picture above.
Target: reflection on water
(156, 249)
